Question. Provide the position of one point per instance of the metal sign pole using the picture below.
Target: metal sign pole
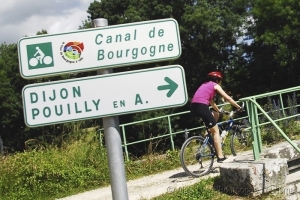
(113, 143)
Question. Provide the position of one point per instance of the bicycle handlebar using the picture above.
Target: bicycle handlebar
(231, 113)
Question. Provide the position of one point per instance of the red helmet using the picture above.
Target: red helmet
(216, 75)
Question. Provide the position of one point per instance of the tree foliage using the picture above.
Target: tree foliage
(274, 53)
(214, 35)
(11, 113)
(208, 29)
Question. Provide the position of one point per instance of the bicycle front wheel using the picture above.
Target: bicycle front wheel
(196, 157)
(240, 140)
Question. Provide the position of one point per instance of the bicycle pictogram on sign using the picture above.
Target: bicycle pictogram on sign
(40, 55)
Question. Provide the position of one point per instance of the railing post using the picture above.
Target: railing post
(171, 133)
(100, 138)
(252, 112)
(281, 102)
(125, 143)
(259, 140)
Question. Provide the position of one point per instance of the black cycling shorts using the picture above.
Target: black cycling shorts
(202, 111)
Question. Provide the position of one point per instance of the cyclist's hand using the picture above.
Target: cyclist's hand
(241, 109)
(225, 112)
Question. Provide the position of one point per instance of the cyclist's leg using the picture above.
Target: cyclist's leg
(217, 143)
(217, 140)
(203, 111)
(216, 116)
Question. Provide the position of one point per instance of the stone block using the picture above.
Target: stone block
(253, 178)
(283, 150)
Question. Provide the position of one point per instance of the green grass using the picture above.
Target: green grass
(82, 165)
(201, 190)
(208, 189)
(50, 173)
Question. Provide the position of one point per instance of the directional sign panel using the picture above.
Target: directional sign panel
(96, 48)
(104, 95)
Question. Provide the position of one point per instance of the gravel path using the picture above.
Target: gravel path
(166, 182)
(147, 187)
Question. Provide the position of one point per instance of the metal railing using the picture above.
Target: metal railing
(254, 110)
(171, 133)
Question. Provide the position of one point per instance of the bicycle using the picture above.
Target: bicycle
(240, 140)
(197, 152)
(39, 57)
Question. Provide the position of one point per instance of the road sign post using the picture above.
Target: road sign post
(99, 48)
(113, 143)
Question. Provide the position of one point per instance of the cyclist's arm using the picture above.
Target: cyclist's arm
(226, 96)
(214, 105)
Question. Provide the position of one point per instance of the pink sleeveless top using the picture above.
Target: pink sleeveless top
(205, 93)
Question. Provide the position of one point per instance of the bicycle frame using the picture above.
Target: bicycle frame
(229, 126)
(206, 140)
(230, 123)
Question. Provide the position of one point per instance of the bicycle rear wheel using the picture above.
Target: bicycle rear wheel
(240, 140)
(196, 157)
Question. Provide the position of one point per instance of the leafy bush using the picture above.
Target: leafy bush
(269, 133)
(52, 172)
(80, 166)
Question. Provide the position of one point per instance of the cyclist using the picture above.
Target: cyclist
(39, 55)
(201, 100)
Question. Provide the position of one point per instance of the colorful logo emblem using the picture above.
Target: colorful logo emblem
(40, 55)
(71, 52)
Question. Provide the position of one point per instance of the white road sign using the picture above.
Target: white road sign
(98, 48)
(104, 95)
